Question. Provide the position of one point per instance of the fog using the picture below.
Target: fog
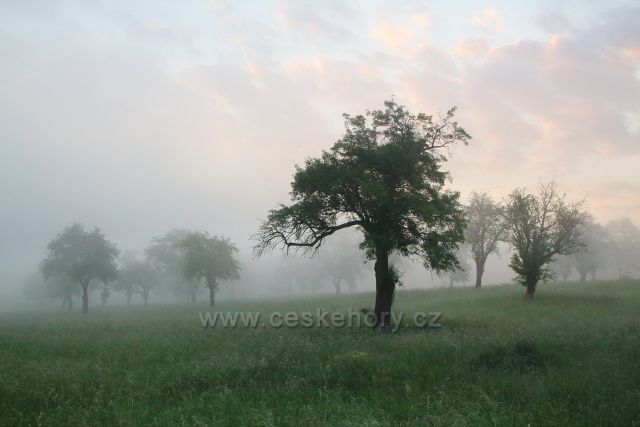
(141, 118)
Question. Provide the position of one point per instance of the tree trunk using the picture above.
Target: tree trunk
(385, 288)
(336, 284)
(212, 294)
(85, 298)
(451, 280)
(479, 273)
(193, 295)
(68, 302)
(531, 289)
(128, 298)
(145, 297)
(583, 277)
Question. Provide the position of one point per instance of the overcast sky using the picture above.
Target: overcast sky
(140, 116)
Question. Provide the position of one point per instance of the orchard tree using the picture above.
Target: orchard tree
(209, 258)
(136, 277)
(460, 274)
(385, 178)
(625, 246)
(594, 256)
(167, 256)
(541, 226)
(342, 263)
(485, 228)
(562, 266)
(104, 288)
(81, 256)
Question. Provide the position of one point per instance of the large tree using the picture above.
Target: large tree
(81, 256)
(541, 226)
(209, 258)
(385, 178)
(484, 230)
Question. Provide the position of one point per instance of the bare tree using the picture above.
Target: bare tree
(541, 226)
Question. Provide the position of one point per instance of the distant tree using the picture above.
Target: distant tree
(104, 288)
(460, 274)
(167, 257)
(593, 257)
(384, 178)
(562, 266)
(485, 228)
(37, 288)
(81, 256)
(541, 226)
(342, 263)
(137, 277)
(209, 258)
(625, 241)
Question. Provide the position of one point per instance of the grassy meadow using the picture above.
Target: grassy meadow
(569, 357)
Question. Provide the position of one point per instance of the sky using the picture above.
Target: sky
(142, 116)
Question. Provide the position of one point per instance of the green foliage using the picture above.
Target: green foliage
(384, 177)
(166, 254)
(541, 226)
(81, 256)
(209, 258)
(485, 226)
(137, 276)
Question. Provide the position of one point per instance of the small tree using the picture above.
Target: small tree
(81, 256)
(167, 257)
(137, 277)
(541, 226)
(594, 256)
(104, 288)
(209, 258)
(562, 266)
(384, 178)
(342, 263)
(461, 274)
(484, 230)
(625, 246)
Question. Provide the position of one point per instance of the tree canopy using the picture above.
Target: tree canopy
(541, 226)
(384, 177)
(209, 258)
(81, 256)
(485, 228)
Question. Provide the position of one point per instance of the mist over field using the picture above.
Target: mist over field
(478, 161)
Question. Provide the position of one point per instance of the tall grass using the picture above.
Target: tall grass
(569, 357)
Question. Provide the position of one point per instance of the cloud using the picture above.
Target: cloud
(470, 48)
(488, 19)
(393, 36)
(102, 130)
(421, 19)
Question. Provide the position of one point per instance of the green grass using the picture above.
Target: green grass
(570, 357)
